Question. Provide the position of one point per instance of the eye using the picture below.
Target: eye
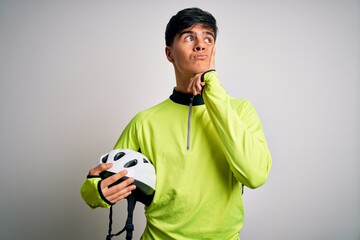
(189, 38)
(208, 40)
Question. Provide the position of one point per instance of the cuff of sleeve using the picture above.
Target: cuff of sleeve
(205, 74)
(90, 193)
(102, 195)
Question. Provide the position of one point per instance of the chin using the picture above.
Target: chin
(200, 70)
(191, 72)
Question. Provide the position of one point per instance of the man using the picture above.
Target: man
(204, 144)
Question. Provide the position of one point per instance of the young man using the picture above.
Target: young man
(203, 143)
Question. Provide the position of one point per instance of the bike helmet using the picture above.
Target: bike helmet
(138, 167)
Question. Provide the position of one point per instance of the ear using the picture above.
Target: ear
(168, 54)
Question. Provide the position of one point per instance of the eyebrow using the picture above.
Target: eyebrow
(192, 32)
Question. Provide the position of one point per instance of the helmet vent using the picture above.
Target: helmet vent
(119, 155)
(131, 163)
(145, 161)
(105, 158)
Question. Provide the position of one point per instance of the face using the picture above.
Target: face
(192, 50)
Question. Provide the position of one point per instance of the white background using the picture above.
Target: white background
(73, 73)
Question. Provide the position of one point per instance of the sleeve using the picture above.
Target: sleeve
(240, 130)
(129, 137)
(90, 188)
(91, 194)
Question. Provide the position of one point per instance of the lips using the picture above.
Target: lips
(200, 56)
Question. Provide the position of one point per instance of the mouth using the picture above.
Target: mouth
(200, 56)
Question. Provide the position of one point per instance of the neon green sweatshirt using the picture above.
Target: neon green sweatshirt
(203, 149)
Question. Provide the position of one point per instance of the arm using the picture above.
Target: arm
(97, 193)
(240, 130)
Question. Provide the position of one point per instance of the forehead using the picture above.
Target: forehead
(197, 29)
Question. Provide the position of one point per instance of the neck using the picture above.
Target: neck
(182, 81)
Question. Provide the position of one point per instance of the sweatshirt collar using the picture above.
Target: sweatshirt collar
(185, 98)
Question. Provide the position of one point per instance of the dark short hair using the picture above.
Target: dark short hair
(187, 18)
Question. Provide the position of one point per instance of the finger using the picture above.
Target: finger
(123, 184)
(195, 85)
(112, 179)
(100, 168)
(194, 89)
(198, 85)
(108, 191)
(119, 197)
(119, 191)
(189, 89)
(123, 193)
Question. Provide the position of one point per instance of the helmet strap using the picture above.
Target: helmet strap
(129, 226)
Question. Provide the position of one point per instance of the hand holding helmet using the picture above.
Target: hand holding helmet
(118, 191)
(118, 169)
(136, 165)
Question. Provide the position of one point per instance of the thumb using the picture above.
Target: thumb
(100, 168)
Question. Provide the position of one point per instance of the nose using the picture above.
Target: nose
(199, 46)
